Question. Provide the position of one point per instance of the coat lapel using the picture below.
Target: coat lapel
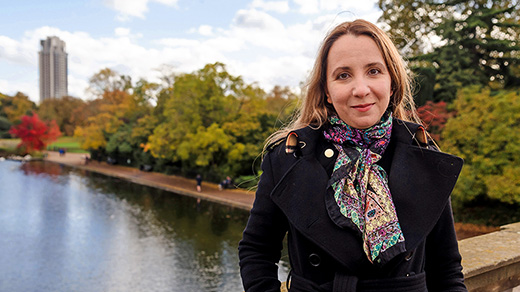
(421, 181)
(300, 196)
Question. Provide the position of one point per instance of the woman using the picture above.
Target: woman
(359, 189)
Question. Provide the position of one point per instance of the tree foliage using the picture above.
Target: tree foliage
(14, 107)
(434, 117)
(68, 112)
(115, 110)
(34, 133)
(476, 41)
(5, 126)
(485, 134)
(210, 120)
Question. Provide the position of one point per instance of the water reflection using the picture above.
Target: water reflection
(68, 230)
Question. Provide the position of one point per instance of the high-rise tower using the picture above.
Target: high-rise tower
(53, 68)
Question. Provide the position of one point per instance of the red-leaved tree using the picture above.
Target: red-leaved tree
(434, 117)
(35, 133)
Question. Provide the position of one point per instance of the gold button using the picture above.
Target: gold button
(329, 153)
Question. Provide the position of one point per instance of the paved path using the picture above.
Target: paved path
(180, 185)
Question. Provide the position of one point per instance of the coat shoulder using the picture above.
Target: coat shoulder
(306, 136)
(412, 133)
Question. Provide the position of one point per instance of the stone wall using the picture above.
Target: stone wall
(491, 261)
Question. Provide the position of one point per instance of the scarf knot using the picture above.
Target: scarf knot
(361, 186)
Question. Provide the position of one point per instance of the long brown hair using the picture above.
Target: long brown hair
(314, 109)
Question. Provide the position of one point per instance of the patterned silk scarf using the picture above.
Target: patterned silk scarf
(361, 186)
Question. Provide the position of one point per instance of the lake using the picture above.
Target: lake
(64, 229)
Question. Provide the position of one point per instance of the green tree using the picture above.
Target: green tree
(209, 121)
(5, 125)
(477, 41)
(485, 134)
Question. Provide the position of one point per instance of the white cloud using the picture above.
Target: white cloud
(254, 19)
(205, 30)
(316, 7)
(276, 6)
(134, 8)
(77, 86)
(11, 87)
(22, 53)
(308, 6)
(122, 31)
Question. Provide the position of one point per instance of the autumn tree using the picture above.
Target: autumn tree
(281, 102)
(68, 112)
(434, 116)
(116, 110)
(14, 107)
(35, 133)
(485, 134)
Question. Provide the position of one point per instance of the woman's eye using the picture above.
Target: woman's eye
(374, 71)
(343, 75)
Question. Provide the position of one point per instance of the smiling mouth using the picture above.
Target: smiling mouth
(363, 107)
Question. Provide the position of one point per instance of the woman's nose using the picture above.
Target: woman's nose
(360, 88)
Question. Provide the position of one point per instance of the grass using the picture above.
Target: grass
(9, 143)
(71, 144)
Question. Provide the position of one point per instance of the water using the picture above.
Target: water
(63, 229)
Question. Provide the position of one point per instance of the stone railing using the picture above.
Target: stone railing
(492, 261)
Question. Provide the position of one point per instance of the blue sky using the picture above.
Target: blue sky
(267, 42)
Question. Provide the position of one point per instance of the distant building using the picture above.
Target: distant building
(53, 68)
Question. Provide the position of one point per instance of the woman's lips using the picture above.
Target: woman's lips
(363, 107)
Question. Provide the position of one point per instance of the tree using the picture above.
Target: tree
(108, 80)
(414, 24)
(13, 107)
(281, 102)
(34, 133)
(477, 41)
(117, 110)
(209, 120)
(484, 133)
(5, 126)
(68, 112)
(434, 117)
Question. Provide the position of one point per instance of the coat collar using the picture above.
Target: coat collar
(414, 179)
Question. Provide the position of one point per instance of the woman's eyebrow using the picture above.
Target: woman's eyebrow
(374, 64)
(342, 68)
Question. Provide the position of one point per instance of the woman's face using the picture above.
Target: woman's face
(358, 81)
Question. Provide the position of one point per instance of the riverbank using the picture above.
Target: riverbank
(236, 197)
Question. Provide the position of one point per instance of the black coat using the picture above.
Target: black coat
(293, 198)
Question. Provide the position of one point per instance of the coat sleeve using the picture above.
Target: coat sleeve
(260, 248)
(443, 260)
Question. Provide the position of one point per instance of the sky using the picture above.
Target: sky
(266, 42)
